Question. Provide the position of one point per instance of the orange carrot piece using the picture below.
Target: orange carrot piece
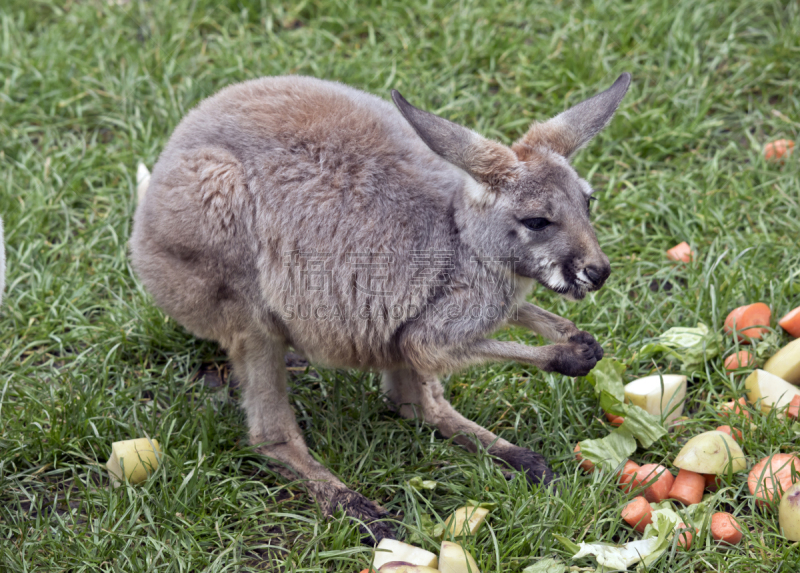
(734, 319)
(688, 487)
(725, 528)
(638, 513)
(741, 359)
(712, 482)
(626, 476)
(778, 150)
(791, 322)
(748, 321)
(755, 317)
(793, 411)
(734, 433)
(686, 536)
(614, 420)
(737, 407)
(772, 476)
(585, 465)
(657, 479)
(681, 252)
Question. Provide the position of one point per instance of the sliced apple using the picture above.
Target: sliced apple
(711, 453)
(773, 391)
(786, 363)
(789, 513)
(405, 567)
(658, 395)
(389, 550)
(464, 521)
(455, 559)
(133, 460)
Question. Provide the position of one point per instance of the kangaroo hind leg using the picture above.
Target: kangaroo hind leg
(258, 361)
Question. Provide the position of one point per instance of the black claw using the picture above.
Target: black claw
(367, 512)
(533, 464)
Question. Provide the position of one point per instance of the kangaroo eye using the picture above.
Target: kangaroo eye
(536, 224)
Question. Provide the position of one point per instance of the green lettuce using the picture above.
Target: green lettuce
(692, 346)
(608, 384)
(419, 484)
(546, 565)
(607, 376)
(610, 452)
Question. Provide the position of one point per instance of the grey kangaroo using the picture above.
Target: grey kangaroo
(295, 212)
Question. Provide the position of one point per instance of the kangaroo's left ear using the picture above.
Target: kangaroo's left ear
(567, 132)
(486, 161)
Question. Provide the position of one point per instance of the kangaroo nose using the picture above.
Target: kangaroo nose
(597, 274)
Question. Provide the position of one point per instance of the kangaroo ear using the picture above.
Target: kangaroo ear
(567, 132)
(487, 162)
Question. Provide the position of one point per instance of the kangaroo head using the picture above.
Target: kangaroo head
(527, 202)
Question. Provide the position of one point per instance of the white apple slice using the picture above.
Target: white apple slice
(786, 363)
(455, 559)
(659, 395)
(404, 567)
(464, 521)
(389, 550)
(774, 392)
(133, 460)
(711, 453)
(789, 513)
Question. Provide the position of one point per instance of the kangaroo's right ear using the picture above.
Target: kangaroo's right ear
(487, 162)
(567, 132)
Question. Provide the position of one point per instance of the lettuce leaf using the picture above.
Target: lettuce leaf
(642, 425)
(618, 557)
(610, 452)
(607, 376)
(419, 484)
(547, 565)
(692, 346)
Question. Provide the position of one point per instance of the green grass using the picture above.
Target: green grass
(89, 87)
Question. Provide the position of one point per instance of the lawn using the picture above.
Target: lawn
(90, 87)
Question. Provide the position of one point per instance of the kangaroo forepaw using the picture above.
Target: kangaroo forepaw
(577, 356)
(365, 511)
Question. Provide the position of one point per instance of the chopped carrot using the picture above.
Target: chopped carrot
(585, 465)
(778, 150)
(757, 315)
(686, 536)
(614, 420)
(681, 252)
(747, 321)
(741, 359)
(737, 407)
(793, 411)
(657, 479)
(725, 528)
(638, 513)
(734, 433)
(626, 476)
(712, 482)
(791, 322)
(734, 318)
(688, 487)
(772, 476)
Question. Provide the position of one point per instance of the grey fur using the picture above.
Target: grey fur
(290, 211)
